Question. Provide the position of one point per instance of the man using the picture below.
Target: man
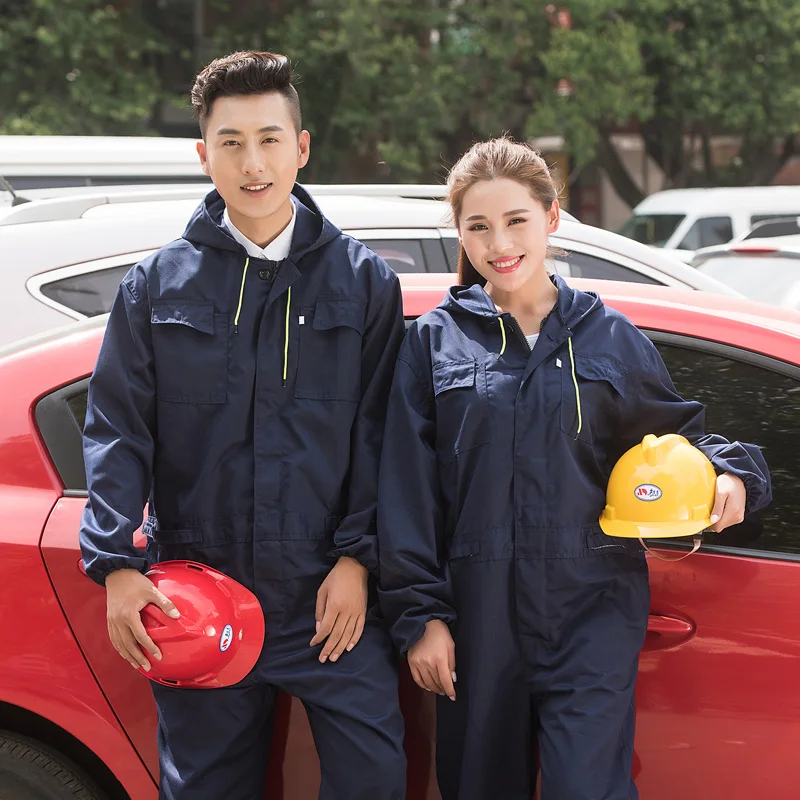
(241, 389)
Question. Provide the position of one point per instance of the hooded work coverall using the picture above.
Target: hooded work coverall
(493, 476)
(245, 399)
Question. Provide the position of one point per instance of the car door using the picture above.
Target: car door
(718, 711)
(293, 772)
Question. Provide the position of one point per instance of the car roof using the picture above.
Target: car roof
(59, 156)
(150, 222)
(722, 199)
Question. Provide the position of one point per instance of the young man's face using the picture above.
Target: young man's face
(252, 152)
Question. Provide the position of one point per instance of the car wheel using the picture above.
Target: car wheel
(30, 770)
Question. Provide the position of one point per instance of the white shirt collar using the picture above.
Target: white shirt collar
(276, 250)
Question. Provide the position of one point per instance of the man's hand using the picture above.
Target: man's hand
(341, 608)
(127, 593)
(432, 660)
(729, 502)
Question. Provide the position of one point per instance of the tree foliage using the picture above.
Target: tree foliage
(75, 67)
(397, 89)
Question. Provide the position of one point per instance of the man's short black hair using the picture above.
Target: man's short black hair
(245, 73)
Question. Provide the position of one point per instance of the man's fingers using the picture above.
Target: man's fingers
(140, 634)
(130, 651)
(322, 602)
(334, 638)
(324, 628)
(347, 634)
(357, 632)
(165, 604)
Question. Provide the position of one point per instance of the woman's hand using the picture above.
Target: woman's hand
(433, 660)
(729, 502)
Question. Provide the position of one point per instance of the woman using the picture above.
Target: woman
(511, 403)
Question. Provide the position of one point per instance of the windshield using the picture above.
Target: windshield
(768, 279)
(653, 229)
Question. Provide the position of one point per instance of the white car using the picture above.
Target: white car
(63, 259)
(761, 269)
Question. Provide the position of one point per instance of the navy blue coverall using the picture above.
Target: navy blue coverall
(491, 487)
(245, 399)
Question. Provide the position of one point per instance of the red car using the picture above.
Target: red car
(718, 699)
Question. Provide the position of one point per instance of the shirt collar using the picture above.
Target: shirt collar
(276, 250)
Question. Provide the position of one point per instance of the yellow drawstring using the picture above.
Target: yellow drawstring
(241, 295)
(286, 337)
(503, 331)
(577, 390)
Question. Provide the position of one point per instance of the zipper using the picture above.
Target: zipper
(515, 326)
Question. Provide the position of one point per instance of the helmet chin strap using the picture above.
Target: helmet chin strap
(697, 540)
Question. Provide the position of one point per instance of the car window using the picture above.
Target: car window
(452, 247)
(579, 265)
(89, 293)
(60, 417)
(582, 265)
(652, 229)
(768, 278)
(763, 217)
(402, 255)
(780, 226)
(751, 403)
(707, 232)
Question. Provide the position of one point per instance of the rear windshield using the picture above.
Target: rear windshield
(770, 279)
(653, 229)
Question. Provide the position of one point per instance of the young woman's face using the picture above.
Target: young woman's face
(504, 232)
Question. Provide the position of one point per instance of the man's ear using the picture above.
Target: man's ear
(201, 152)
(304, 148)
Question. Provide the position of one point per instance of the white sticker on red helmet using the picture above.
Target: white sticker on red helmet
(647, 492)
(226, 638)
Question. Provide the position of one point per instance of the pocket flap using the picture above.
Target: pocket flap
(459, 549)
(597, 368)
(336, 311)
(453, 375)
(198, 315)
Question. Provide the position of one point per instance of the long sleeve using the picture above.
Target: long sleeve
(118, 441)
(414, 586)
(656, 407)
(356, 536)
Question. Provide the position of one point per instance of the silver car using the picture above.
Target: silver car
(63, 259)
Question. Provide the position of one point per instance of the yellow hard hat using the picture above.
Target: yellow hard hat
(660, 488)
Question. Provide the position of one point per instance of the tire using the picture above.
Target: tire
(30, 770)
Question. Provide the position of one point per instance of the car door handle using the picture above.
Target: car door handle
(669, 630)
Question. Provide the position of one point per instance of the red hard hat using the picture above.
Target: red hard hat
(218, 637)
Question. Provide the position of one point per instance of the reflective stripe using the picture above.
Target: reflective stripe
(241, 295)
(577, 390)
(503, 331)
(286, 337)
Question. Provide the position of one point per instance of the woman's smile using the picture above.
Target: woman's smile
(506, 264)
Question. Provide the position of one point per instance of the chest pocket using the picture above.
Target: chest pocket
(190, 349)
(602, 385)
(462, 407)
(329, 350)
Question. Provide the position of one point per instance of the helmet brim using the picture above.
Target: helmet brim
(649, 530)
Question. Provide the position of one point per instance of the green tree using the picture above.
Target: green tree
(76, 67)
(693, 71)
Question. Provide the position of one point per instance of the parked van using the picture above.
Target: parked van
(684, 220)
(45, 162)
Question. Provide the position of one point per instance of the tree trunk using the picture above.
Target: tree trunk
(617, 172)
